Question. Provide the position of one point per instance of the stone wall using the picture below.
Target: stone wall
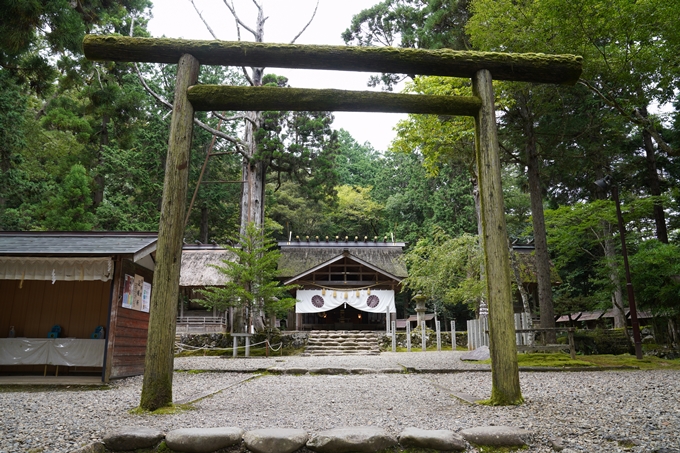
(293, 339)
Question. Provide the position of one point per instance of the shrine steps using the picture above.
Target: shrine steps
(342, 342)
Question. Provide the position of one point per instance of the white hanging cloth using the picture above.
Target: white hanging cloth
(313, 301)
(55, 268)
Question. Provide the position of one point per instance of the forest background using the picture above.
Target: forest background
(83, 144)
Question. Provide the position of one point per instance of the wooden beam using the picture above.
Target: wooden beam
(505, 388)
(222, 97)
(527, 67)
(158, 370)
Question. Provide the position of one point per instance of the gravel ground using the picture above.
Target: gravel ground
(637, 411)
(385, 361)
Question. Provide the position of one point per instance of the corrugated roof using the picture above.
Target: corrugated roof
(428, 317)
(197, 270)
(296, 260)
(594, 315)
(82, 243)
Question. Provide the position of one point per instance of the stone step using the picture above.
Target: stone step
(348, 342)
(329, 342)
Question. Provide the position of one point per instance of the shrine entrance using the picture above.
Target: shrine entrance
(480, 67)
(343, 285)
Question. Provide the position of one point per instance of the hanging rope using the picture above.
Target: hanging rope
(341, 288)
(181, 347)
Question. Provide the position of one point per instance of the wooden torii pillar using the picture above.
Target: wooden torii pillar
(478, 66)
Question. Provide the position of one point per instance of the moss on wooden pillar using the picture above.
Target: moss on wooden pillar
(525, 67)
(221, 97)
(158, 369)
(505, 389)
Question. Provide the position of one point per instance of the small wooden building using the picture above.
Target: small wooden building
(198, 272)
(75, 302)
(344, 285)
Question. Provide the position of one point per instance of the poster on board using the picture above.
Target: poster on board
(146, 297)
(137, 290)
(128, 283)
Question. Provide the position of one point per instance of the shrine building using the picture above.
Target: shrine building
(343, 284)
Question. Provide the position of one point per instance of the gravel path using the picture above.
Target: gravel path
(400, 361)
(589, 411)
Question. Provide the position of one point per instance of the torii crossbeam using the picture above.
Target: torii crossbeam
(478, 66)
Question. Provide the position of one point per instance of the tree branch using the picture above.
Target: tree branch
(234, 118)
(305, 27)
(232, 9)
(636, 118)
(240, 145)
(210, 30)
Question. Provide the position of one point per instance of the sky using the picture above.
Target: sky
(178, 19)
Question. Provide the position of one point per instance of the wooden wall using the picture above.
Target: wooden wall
(78, 307)
(128, 328)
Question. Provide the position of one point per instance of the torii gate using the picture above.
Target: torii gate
(479, 66)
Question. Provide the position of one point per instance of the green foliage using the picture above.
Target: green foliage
(356, 165)
(415, 203)
(446, 269)
(298, 145)
(600, 341)
(440, 139)
(250, 280)
(356, 214)
(68, 209)
(425, 24)
(655, 270)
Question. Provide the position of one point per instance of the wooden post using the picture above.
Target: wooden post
(113, 319)
(158, 369)
(505, 389)
(572, 344)
(394, 336)
(408, 335)
(439, 335)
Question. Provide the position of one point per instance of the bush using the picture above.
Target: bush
(599, 341)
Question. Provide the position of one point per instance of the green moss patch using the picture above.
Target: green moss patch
(490, 449)
(627, 360)
(166, 410)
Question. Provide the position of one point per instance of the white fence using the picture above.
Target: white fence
(201, 324)
(478, 331)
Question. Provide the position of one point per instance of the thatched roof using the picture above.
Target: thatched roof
(298, 258)
(196, 269)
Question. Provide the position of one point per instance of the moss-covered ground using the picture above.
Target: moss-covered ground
(560, 360)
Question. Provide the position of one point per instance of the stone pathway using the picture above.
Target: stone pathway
(366, 439)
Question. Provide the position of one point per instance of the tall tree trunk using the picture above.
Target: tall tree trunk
(543, 280)
(654, 183)
(254, 178)
(254, 170)
(617, 293)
